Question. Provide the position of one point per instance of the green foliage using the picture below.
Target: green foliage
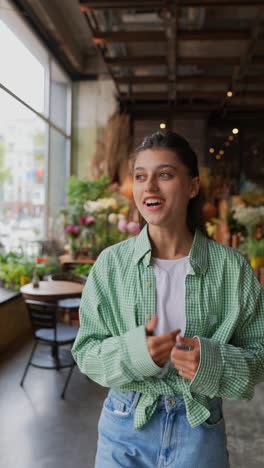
(16, 269)
(253, 247)
(79, 191)
(86, 218)
(83, 270)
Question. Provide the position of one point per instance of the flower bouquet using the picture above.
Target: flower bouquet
(96, 217)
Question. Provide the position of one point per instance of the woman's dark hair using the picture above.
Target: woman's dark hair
(180, 147)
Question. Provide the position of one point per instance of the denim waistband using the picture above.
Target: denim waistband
(164, 401)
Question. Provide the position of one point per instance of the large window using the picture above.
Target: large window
(35, 134)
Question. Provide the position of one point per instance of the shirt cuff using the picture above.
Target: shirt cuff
(140, 358)
(209, 372)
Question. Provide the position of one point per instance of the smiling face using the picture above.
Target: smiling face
(162, 187)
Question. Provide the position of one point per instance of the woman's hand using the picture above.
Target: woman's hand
(186, 361)
(160, 347)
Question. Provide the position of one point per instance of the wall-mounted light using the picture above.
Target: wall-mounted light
(162, 125)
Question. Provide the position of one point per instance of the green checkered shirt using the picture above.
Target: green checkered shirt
(224, 305)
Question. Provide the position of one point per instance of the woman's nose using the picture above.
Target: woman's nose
(151, 184)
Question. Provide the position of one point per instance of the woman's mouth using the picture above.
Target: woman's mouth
(153, 204)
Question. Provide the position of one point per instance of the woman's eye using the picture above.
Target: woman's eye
(165, 175)
(139, 176)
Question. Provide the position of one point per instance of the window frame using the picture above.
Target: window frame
(46, 115)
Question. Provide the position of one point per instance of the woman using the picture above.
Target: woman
(172, 322)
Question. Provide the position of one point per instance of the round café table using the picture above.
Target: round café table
(52, 290)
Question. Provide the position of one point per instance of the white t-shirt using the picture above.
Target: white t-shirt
(170, 293)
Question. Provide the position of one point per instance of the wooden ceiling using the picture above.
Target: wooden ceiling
(181, 55)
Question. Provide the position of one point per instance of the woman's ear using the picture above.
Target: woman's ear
(195, 187)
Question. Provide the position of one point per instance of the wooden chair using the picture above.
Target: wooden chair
(69, 305)
(49, 332)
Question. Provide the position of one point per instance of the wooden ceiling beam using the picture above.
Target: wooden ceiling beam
(128, 36)
(149, 60)
(213, 95)
(208, 61)
(142, 79)
(88, 17)
(153, 109)
(159, 36)
(171, 24)
(86, 5)
(240, 72)
(136, 61)
(187, 79)
(122, 4)
(215, 35)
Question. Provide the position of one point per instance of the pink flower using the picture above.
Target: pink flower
(87, 219)
(73, 230)
(122, 225)
(133, 227)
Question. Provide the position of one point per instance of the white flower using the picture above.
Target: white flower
(249, 215)
(91, 206)
(112, 218)
(101, 204)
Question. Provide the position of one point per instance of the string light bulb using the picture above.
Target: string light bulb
(230, 138)
(211, 150)
(235, 131)
(229, 93)
(218, 156)
(162, 125)
(221, 152)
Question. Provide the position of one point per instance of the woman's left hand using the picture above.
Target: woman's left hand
(186, 361)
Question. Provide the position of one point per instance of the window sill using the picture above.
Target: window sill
(7, 295)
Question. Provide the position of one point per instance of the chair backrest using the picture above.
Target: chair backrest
(42, 315)
(68, 277)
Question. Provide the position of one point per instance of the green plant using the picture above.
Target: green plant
(83, 270)
(253, 247)
(79, 191)
(92, 216)
(16, 269)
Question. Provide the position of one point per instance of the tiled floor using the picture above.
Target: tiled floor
(38, 430)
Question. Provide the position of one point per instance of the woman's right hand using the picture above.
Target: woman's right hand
(160, 347)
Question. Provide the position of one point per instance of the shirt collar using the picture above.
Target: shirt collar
(198, 254)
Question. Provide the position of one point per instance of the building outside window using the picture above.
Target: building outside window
(35, 134)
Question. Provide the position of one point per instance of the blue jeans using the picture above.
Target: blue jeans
(167, 439)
